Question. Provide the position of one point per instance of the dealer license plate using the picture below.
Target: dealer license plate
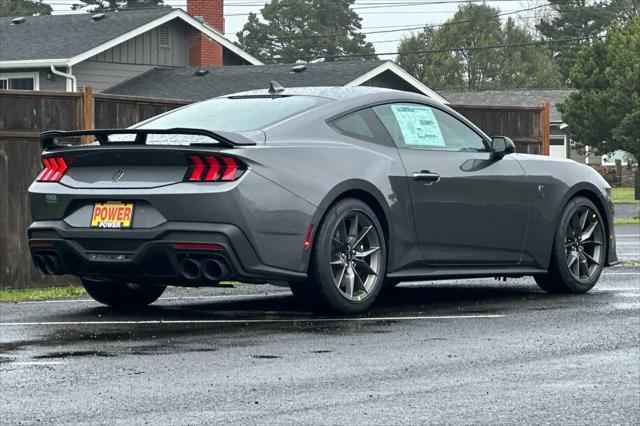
(112, 215)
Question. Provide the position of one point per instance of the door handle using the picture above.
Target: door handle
(426, 176)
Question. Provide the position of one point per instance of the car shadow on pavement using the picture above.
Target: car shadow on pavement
(399, 301)
(190, 325)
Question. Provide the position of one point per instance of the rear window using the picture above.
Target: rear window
(234, 114)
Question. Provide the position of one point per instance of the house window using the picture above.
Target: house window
(163, 36)
(19, 81)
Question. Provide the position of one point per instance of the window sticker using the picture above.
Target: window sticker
(418, 124)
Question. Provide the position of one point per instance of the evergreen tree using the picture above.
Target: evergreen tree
(112, 5)
(580, 19)
(305, 29)
(24, 8)
(604, 113)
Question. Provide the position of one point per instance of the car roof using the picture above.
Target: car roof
(330, 92)
(347, 98)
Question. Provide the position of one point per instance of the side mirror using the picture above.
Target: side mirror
(501, 146)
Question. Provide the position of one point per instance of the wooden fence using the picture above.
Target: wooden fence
(528, 127)
(24, 114)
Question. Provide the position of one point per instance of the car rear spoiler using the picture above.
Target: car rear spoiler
(49, 140)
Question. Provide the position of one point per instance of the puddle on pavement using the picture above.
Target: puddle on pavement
(150, 339)
(6, 359)
(164, 339)
(73, 354)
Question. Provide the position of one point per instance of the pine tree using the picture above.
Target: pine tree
(112, 5)
(580, 19)
(604, 112)
(24, 8)
(305, 29)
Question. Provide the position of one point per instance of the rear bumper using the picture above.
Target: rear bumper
(150, 255)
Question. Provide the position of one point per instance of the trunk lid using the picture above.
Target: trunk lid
(134, 158)
(125, 168)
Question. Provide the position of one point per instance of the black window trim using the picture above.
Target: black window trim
(380, 134)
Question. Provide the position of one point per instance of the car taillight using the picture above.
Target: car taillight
(54, 169)
(213, 168)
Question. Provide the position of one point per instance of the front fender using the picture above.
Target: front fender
(603, 202)
(553, 183)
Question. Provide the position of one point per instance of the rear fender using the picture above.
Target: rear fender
(401, 244)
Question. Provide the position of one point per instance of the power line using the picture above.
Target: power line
(422, 52)
(262, 4)
(527, 18)
(313, 36)
(357, 6)
(421, 25)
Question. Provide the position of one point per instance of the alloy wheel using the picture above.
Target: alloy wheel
(584, 242)
(355, 256)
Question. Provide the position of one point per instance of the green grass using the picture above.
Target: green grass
(22, 295)
(623, 196)
(48, 293)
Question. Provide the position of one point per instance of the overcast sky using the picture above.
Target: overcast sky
(383, 17)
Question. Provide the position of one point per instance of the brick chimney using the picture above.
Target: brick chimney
(204, 52)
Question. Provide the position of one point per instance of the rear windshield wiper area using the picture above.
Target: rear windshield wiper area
(174, 136)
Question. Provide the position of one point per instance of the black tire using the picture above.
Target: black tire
(560, 279)
(122, 295)
(302, 292)
(392, 282)
(324, 289)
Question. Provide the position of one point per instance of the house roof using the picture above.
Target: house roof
(184, 83)
(68, 39)
(511, 98)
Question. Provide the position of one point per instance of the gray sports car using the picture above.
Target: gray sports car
(336, 192)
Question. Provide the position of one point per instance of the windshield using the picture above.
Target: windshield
(234, 114)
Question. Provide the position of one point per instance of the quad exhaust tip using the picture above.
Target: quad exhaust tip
(38, 260)
(190, 269)
(48, 264)
(210, 269)
(214, 270)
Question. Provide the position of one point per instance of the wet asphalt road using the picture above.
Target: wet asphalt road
(471, 351)
(628, 242)
(450, 352)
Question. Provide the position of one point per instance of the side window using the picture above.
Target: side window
(415, 126)
(457, 136)
(363, 125)
(16, 83)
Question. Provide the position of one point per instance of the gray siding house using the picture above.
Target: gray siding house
(62, 52)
